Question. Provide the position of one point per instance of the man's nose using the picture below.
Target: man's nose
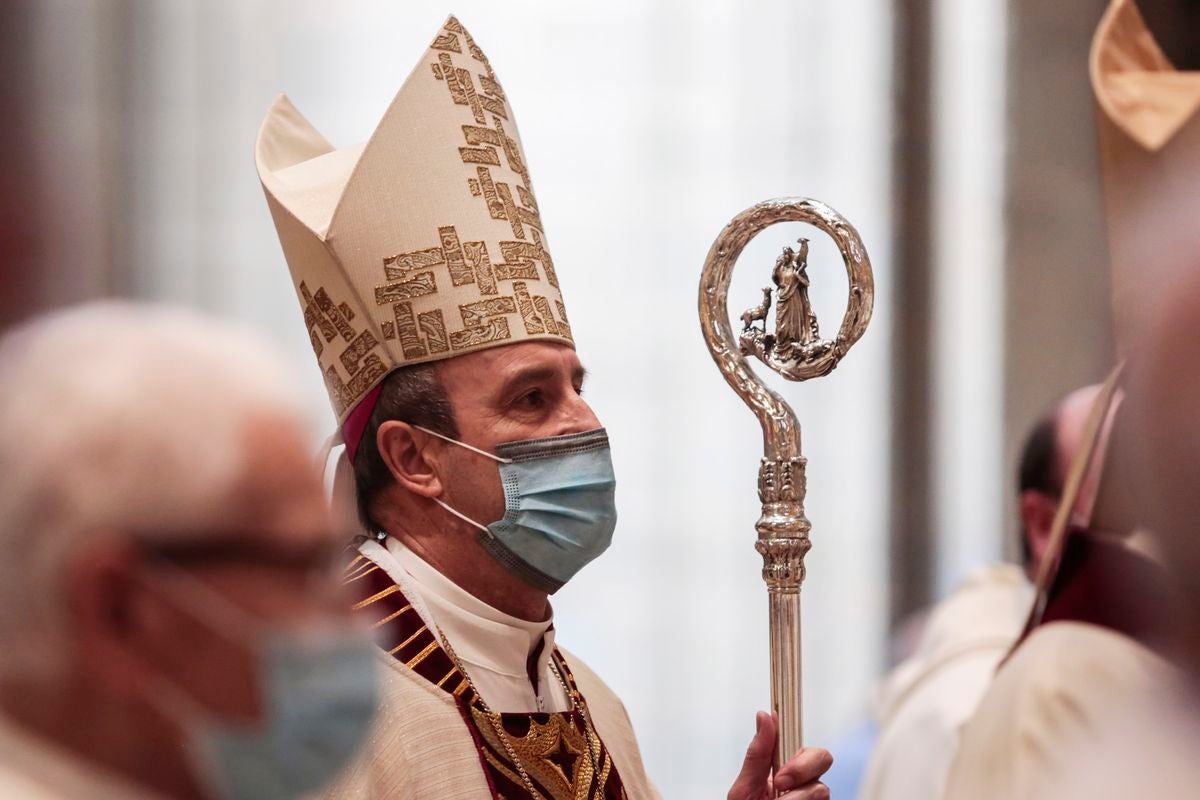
(577, 416)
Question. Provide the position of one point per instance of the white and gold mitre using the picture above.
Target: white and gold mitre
(1149, 132)
(424, 243)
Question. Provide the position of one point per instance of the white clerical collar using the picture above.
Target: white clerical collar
(480, 634)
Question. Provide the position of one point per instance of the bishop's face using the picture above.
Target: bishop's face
(528, 390)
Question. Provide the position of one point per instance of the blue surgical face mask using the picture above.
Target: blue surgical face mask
(559, 505)
(319, 694)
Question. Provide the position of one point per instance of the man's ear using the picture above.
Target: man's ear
(408, 456)
(1037, 518)
(107, 628)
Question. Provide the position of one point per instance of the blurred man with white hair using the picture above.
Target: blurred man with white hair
(169, 617)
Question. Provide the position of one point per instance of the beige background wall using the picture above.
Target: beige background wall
(1057, 323)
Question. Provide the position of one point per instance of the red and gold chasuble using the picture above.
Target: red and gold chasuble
(559, 755)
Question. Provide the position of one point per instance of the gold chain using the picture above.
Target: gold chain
(589, 730)
(495, 718)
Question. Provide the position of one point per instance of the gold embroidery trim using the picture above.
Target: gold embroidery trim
(406, 643)
(482, 93)
(362, 573)
(392, 616)
(361, 604)
(421, 656)
(447, 676)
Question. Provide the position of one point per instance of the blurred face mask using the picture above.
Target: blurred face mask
(559, 505)
(318, 695)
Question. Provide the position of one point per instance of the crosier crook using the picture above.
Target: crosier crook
(782, 529)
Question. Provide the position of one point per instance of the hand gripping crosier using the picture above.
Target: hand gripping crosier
(796, 351)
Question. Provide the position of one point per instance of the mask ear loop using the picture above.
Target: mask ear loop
(193, 596)
(492, 456)
(203, 603)
(465, 518)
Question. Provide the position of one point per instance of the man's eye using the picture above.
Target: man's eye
(533, 399)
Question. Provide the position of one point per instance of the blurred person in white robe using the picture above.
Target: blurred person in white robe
(1101, 643)
(171, 622)
(1148, 742)
(1152, 740)
(927, 698)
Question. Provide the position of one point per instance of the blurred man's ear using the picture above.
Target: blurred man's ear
(1037, 517)
(107, 623)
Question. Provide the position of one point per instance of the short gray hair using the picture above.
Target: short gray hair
(119, 417)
